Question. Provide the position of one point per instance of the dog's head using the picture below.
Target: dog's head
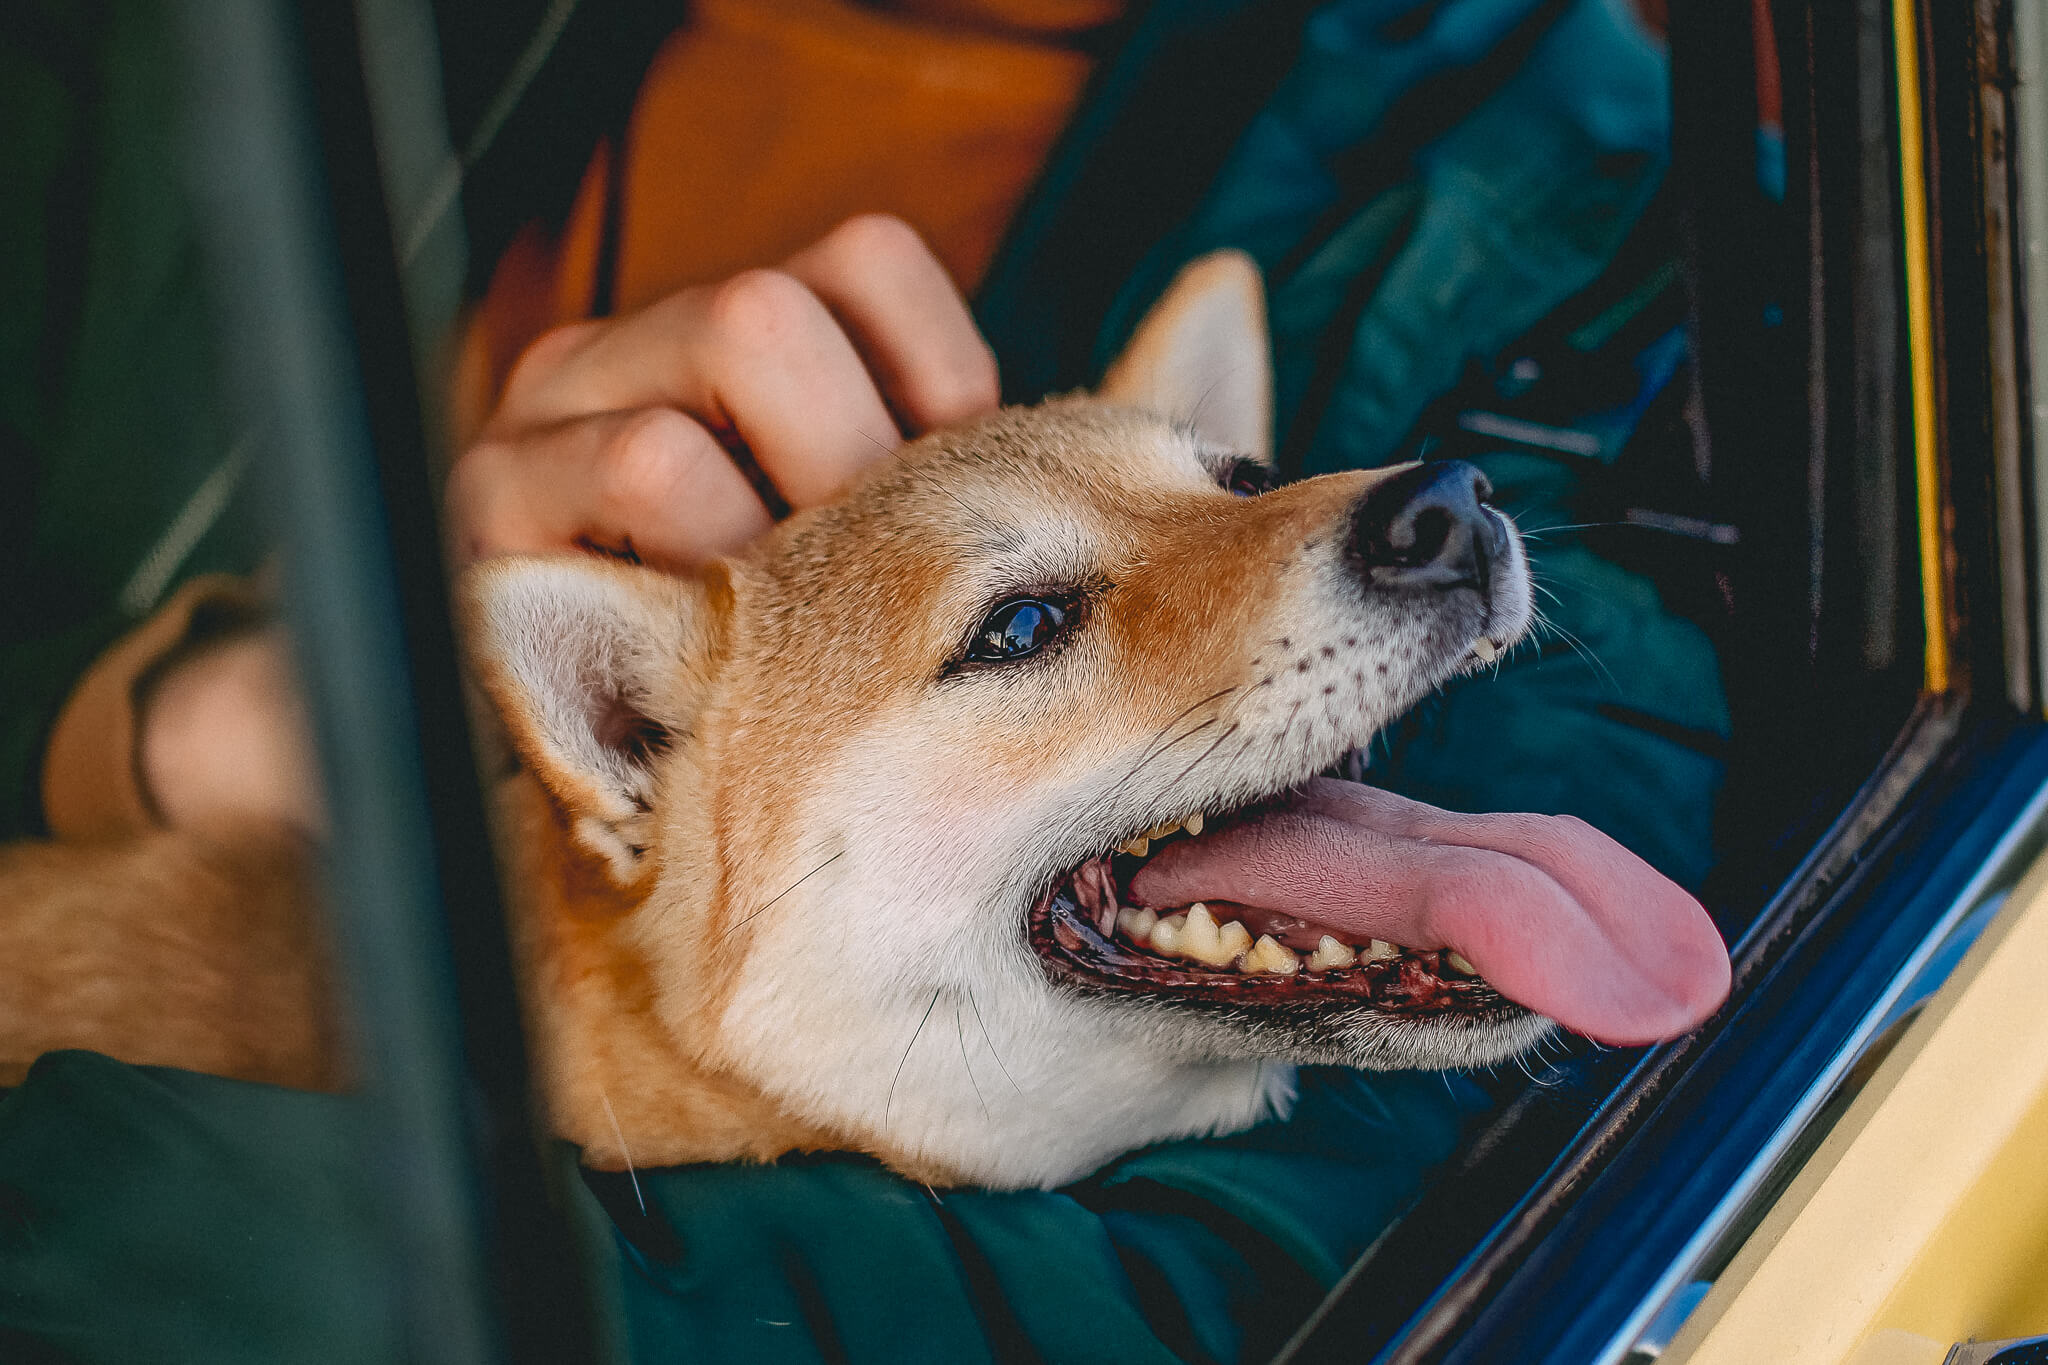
(890, 788)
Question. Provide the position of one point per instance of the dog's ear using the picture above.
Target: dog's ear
(1200, 355)
(595, 669)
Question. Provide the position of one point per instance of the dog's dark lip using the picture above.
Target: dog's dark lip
(1074, 952)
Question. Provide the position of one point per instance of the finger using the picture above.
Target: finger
(788, 379)
(906, 317)
(652, 481)
(758, 359)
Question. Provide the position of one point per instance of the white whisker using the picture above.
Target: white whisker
(620, 1134)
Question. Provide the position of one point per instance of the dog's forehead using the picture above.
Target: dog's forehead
(1076, 453)
(1021, 475)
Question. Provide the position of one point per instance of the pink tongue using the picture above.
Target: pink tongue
(1553, 913)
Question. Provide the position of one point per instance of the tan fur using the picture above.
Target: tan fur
(598, 1039)
(171, 949)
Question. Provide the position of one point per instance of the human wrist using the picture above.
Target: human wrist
(222, 736)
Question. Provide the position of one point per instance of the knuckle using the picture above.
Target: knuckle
(1569, 825)
(545, 353)
(759, 307)
(868, 237)
(650, 462)
(1547, 831)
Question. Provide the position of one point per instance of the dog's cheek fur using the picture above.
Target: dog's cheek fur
(621, 1076)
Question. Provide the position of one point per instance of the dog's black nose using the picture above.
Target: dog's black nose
(1427, 528)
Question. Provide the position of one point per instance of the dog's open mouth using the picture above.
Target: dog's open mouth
(1086, 927)
(1339, 891)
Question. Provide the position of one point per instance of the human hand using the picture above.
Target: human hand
(628, 434)
(224, 737)
(622, 433)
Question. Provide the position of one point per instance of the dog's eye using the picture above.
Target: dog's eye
(1017, 628)
(1248, 478)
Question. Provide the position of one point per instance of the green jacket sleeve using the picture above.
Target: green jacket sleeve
(157, 1215)
(149, 1215)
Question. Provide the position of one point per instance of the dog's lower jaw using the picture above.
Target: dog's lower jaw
(1013, 1085)
(1001, 1138)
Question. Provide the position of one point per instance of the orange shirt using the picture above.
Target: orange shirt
(762, 123)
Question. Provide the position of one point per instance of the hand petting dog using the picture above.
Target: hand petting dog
(627, 435)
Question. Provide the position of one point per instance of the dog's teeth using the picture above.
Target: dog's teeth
(1485, 649)
(1455, 960)
(1379, 950)
(1139, 845)
(1236, 941)
(1137, 924)
(1202, 939)
(1271, 957)
(1166, 934)
(1331, 956)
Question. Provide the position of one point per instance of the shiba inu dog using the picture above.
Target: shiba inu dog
(975, 821)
